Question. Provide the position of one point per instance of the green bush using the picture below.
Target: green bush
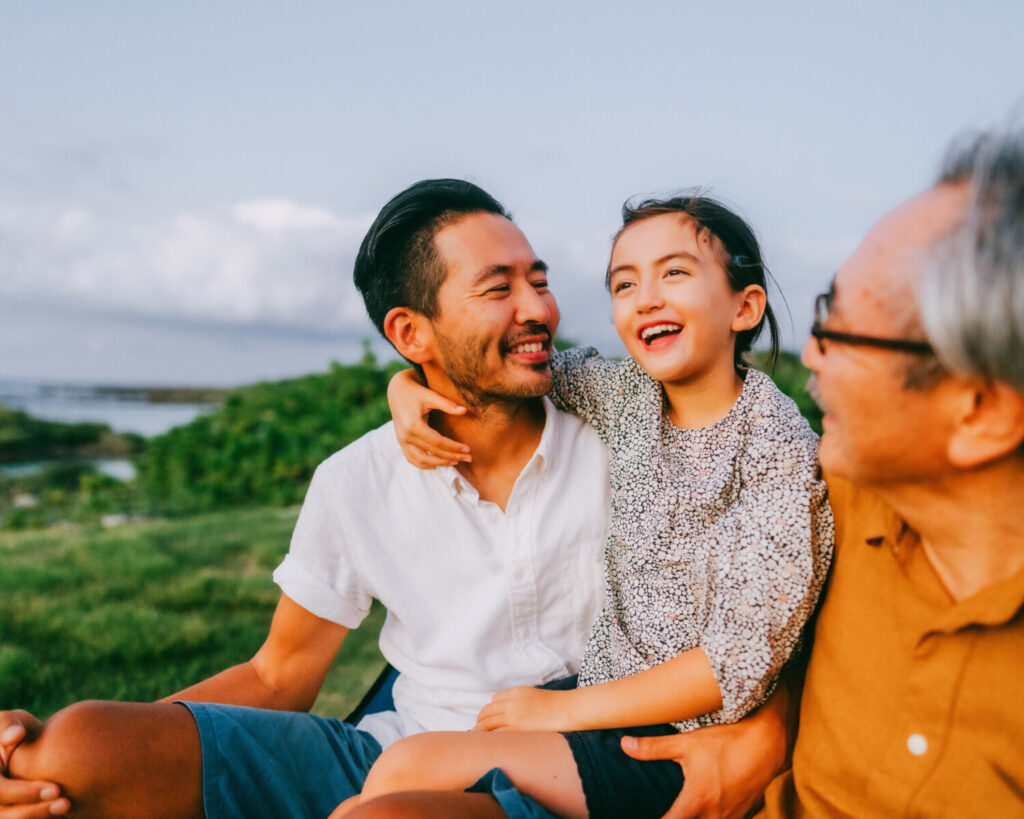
(261, 446)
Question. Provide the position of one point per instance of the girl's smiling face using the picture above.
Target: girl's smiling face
(671, 300)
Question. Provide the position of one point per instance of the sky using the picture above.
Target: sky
(183, 186)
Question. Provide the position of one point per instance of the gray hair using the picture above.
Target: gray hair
(971, 298)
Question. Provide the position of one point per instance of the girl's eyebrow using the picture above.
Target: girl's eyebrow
(668, 257)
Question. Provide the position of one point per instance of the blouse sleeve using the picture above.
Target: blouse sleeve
(585, 383)
(781, 536)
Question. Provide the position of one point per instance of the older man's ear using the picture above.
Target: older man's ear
(989, 425)
(412, 334)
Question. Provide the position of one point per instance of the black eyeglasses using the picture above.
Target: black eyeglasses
(822, 305)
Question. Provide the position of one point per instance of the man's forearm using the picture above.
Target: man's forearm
(243, 685)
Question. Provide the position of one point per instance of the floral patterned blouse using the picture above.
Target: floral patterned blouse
(720, 538)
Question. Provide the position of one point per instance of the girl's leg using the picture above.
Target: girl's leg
(539, 764)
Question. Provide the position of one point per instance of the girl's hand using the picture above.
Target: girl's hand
(423, 446)
(526, 709)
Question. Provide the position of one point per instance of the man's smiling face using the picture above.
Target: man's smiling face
(496, 318)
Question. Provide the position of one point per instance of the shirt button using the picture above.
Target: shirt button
(519, 574)
(917, 744)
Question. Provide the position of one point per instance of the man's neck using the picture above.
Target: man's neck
(970, 524)
(502, 438)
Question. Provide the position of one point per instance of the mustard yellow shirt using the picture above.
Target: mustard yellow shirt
(913, 704)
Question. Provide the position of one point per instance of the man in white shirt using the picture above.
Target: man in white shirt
(489, 571)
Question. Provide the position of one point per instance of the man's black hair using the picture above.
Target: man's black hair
(398, 264)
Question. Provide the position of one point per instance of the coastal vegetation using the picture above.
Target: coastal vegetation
(258, 448)
(181, 586)
(24, 438)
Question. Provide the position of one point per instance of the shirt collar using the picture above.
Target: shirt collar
(992, 606)
(539, 461)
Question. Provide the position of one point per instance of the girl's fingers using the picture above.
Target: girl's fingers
(435, 401)
(491, 723)
(423, 459)
(432, 441)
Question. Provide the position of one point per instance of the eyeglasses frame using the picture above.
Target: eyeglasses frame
(822, 333)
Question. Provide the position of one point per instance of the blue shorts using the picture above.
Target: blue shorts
(278, 764)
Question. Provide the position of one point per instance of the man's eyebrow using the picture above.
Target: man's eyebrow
(493, 270)
(668, 257)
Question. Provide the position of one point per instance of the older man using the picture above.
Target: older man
(912, 698)
(911, 704)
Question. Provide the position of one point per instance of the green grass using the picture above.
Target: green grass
(141, 611)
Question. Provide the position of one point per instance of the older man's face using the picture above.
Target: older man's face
(877, 430)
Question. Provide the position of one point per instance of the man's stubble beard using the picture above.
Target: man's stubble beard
(466, 367)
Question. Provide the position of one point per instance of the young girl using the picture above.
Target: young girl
(719, 541)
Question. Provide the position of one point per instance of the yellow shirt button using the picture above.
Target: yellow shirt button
(917, 744)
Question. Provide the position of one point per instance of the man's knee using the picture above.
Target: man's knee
(62, 746)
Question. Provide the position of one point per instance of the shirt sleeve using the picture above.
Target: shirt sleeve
(319, 572)
(779, 537)
(584, 383)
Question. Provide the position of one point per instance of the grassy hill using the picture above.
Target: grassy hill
(141, 611)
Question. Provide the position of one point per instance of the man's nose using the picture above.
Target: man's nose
(531, 306)
(811, 354)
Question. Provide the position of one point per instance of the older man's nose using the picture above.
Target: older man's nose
(811, 353)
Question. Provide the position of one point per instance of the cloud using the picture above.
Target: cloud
(272, 261)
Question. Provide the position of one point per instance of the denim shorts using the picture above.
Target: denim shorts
(278, 764)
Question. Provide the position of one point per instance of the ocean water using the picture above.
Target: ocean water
(123, 411)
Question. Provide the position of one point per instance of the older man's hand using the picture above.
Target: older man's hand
(726, 767)
(22, 799)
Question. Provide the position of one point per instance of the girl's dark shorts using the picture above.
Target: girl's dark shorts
(617, 785)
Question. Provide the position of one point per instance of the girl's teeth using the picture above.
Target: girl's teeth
(658, 328)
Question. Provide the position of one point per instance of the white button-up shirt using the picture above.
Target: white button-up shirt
(478, 600)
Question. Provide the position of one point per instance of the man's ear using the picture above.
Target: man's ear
(753, 301)
(412, 334)
(989, 426)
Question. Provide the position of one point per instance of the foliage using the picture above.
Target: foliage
(24, 438)
(142, 611)
(791, 377)
(64, 490)
(262, 445)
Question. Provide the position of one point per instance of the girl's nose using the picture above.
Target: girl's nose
(649, 296)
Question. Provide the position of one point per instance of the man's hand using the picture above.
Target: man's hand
(726, 767)
(21, 799)
(526, 709)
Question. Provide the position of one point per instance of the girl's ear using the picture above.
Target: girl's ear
(412, 334)
(751, 303)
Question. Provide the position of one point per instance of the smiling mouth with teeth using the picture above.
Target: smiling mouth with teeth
(656, 331)
(532, 347)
